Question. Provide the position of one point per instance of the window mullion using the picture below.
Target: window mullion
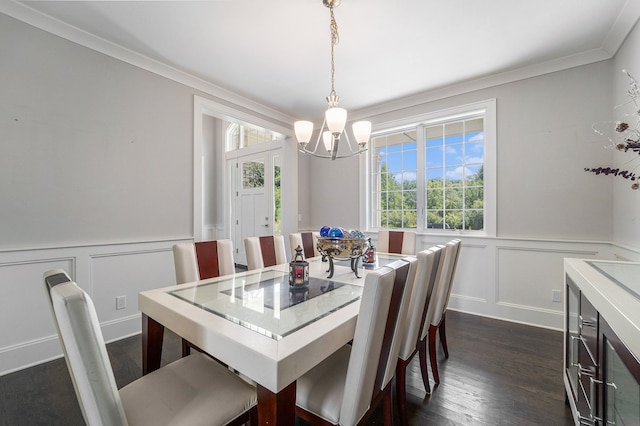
(421, 177)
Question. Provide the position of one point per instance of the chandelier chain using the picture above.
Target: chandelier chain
(335, 39)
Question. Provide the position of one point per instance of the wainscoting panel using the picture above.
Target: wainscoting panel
(527, 276)
(126, 274)
(512, 279)
(27, 333)
(470, 281)
(24, 310)
(504, 278)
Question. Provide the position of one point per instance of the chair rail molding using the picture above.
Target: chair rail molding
(106, 271)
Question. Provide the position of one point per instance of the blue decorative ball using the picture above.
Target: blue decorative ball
(336, 233)
(324, 231)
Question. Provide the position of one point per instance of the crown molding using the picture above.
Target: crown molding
(61, 29)
(625, 22)
(488, 81)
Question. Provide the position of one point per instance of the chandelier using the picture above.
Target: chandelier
(335, 118)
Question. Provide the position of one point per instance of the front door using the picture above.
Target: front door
(253, 187)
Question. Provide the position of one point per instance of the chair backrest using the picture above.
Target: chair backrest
(452, 273)
(382, 304)
(367, 344)
(444, 283)
(400, 242)
(426, 273)
(307, 240)
(405, 278)
(265, 251)
(84, 350)
(202, 260)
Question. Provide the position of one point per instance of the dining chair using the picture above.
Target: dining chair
(425, 279)
(265, 251)
(437, 308)
(202, 260)
(199, 261)
(400, 242)
(307, 240)
(347, 387)
(194, 390)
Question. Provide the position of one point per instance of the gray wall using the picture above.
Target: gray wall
(92, 149)
(626, 218)
(544, 140)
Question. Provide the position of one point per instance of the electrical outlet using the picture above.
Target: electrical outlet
(556, 296)
(121, 302)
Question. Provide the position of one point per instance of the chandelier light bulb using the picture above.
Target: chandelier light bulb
(327, 140)
(303, 130)
(336, 119)
(362, 132)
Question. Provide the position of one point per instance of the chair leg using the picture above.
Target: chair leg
(432, 353)
(186, 348)
(422, 355)
(443, 336)
(401, 391)
(254, 416)
(387, 408)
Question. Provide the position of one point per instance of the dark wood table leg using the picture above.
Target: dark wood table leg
(152, 337)
(277, 408)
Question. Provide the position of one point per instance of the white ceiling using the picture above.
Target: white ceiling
(278, 52)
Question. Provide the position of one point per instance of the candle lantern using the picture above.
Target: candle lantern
(369, 255)
(298, 270)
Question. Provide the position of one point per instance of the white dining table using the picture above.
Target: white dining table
(260, 326)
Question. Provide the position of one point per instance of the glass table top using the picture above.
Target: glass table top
(624, 274)
(264, 302)
(384, 259)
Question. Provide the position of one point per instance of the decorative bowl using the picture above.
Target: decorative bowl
(346, 248)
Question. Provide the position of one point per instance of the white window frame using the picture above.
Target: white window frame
(488, 108)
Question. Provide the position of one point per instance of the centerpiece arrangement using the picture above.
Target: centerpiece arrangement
(625, 138)
(339, 244)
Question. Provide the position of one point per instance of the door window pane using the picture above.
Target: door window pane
(276, 196)
(253, 174)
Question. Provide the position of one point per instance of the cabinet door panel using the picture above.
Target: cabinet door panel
(588, 369)
(589, 326)
(621, 380)
(572, 335)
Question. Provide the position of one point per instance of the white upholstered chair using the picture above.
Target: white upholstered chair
(426, 275)
(194, 390)
(437, 308)
(202, 260)
(346, 387)
(308, 241)
(199, 261)
(400, 242)
(265, 251)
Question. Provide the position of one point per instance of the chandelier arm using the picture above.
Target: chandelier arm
(328, 157)
(358, 151)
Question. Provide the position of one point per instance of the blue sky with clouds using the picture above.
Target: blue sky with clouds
(462, 160)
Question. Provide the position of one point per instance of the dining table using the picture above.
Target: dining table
(259, 325)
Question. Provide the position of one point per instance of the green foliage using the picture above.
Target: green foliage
(277, 199)
(450, 203)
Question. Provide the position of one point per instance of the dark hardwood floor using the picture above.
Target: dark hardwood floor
(498, 373)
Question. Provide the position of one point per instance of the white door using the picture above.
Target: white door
(252, 180)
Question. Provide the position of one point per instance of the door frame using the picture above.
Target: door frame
(289, 171)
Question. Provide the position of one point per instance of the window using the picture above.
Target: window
(437, 174)
(242, 136)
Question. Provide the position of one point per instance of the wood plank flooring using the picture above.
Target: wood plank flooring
(498, 373)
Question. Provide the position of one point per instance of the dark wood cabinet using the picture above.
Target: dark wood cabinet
(602, 373)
